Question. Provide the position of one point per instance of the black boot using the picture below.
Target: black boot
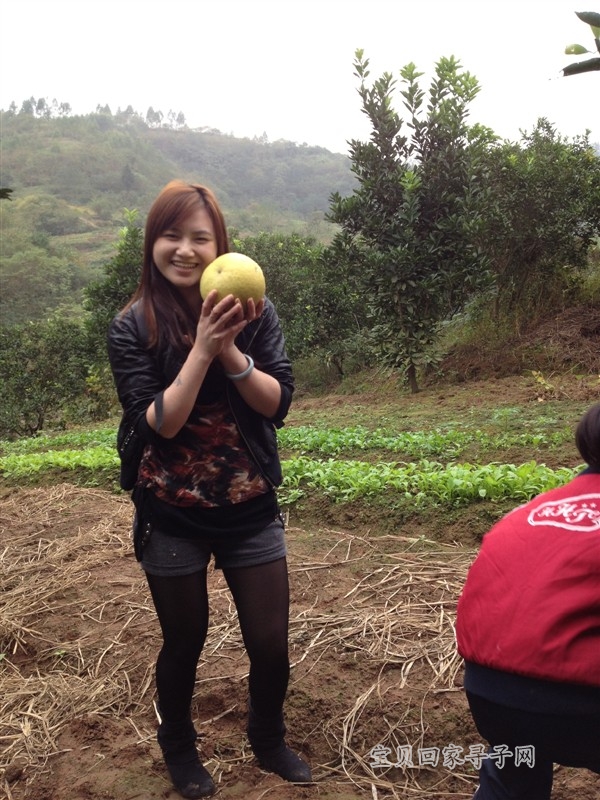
(267, 739)
(178, 745)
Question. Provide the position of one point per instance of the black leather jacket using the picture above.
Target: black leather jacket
(141, 375)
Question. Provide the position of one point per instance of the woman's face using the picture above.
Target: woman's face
(182, 252)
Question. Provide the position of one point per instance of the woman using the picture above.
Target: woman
(205, 384)
(528, 627)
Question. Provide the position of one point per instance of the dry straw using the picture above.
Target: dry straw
(66, 634)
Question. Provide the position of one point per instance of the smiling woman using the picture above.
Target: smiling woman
(203, 392)
(182, 253)
(185, 231)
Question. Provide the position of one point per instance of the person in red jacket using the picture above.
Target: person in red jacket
(528, 627)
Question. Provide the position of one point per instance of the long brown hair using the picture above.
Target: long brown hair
(162, 305)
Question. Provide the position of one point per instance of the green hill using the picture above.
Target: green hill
(102, 161)
(72, 176)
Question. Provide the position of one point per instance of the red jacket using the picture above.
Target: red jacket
(531, 601)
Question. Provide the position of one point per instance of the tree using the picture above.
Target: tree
(154, 118)
(547, 217)
(28, 107)
(290, 264)
(591, 64)
(338, 305)
(107, 297)
(411, 226)
(128, 178)
(43, 368)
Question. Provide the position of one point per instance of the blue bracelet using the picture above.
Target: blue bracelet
(243, 374)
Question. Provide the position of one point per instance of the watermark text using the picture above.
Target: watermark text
(450, 756)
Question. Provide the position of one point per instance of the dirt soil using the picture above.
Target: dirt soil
(372, 649)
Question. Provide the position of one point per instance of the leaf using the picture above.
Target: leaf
(591, 65)
(576, 50)
(590, 17)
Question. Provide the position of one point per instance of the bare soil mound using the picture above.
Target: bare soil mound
(562, 343)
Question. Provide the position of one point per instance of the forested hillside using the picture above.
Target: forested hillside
(72, 176)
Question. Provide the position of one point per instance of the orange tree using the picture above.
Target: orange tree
(291, 266)
(43, 372)
(546, 219)
(407, 245)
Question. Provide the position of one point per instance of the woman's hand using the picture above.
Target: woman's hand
(260, 390)
(220, 323)
(218, 326)
(254, 310)
(229, 355)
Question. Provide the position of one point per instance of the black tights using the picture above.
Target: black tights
(261, 596)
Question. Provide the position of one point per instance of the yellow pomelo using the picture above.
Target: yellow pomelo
(236, 274)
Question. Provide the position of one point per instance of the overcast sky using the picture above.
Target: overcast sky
(284, 67)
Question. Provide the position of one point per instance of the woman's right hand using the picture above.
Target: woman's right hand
(219, 324)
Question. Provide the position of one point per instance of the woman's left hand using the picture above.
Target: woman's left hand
(254, 310)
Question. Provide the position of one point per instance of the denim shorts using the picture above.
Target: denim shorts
(166, 555)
